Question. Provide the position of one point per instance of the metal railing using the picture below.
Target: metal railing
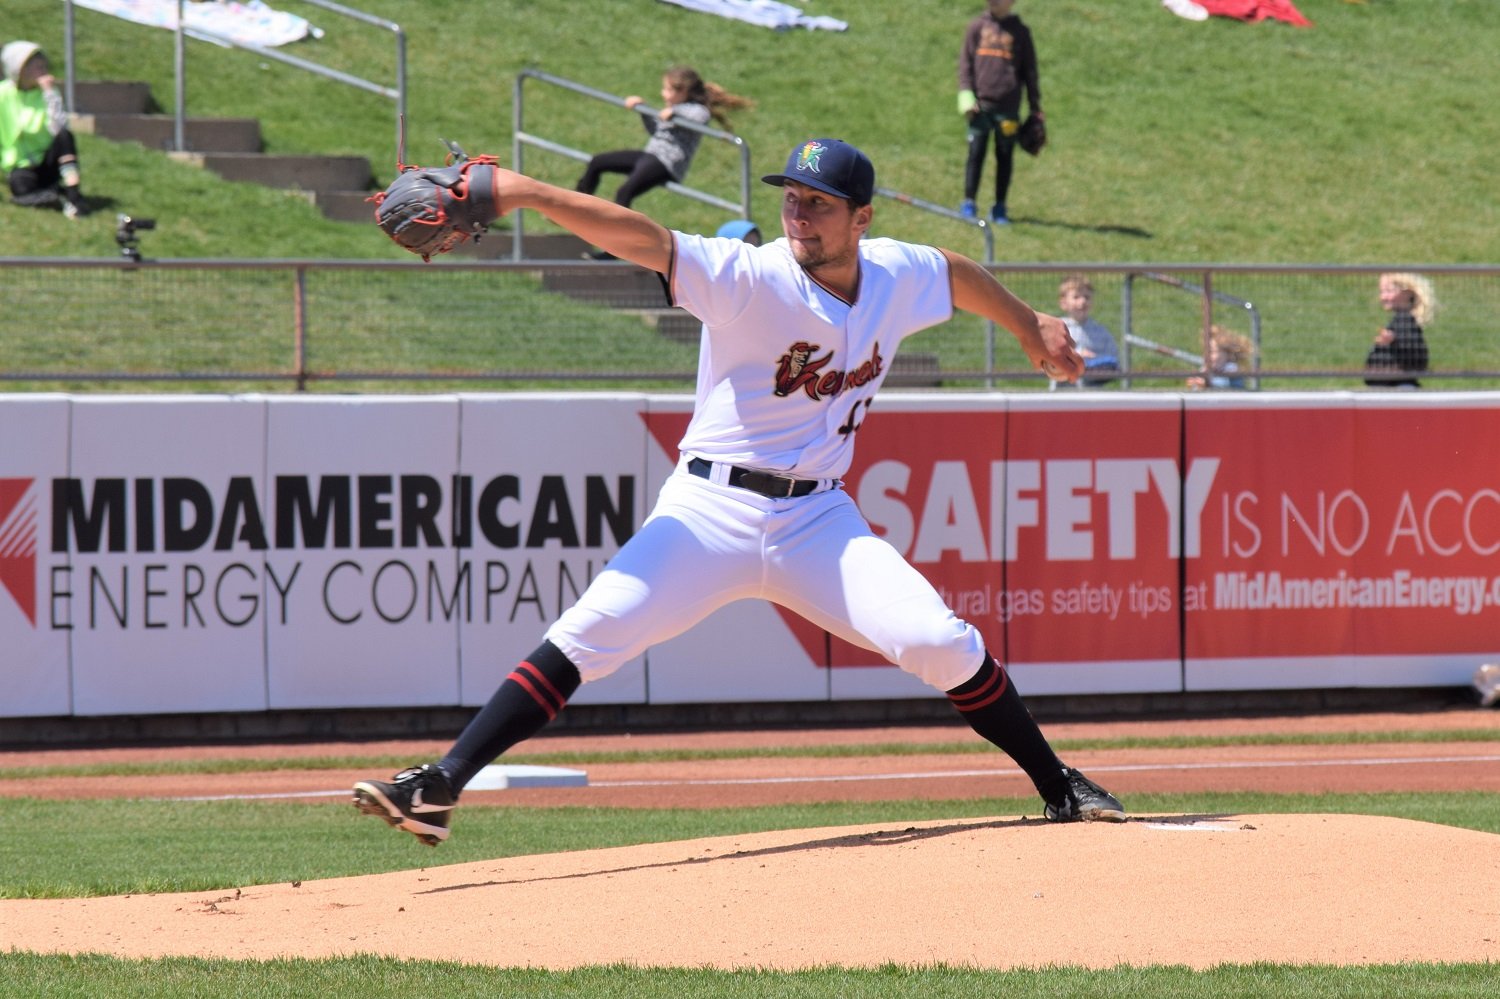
(396, 93)
(194, 323)
(1205, 294)
(521, 138)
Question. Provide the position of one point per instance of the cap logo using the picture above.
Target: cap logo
(809, 155)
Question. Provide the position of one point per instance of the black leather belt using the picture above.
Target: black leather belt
(774, 486)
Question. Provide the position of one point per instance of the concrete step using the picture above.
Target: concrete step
(551, 246)
(306, 173)
(156, 131)
(346, 206)
(111, 97)
(616, 284)
(544, 247)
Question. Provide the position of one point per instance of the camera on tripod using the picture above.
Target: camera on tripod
(126, 235)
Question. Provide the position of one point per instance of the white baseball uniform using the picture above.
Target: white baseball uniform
(786, 373)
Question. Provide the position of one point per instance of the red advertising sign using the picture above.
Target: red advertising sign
(1349, 531)
(1096, 516)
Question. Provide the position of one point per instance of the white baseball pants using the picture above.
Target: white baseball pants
(706, 545)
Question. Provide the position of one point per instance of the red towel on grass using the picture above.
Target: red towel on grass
(1256, 10)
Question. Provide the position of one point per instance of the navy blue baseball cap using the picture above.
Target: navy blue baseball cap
(833, 167)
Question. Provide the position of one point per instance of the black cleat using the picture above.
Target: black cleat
(1085, 801)
(417, 800)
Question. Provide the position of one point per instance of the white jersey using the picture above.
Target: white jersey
(787, 369)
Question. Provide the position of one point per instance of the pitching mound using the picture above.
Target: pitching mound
(997, 893)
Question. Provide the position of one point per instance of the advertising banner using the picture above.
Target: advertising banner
(199, 554)
(34, 671)
(1099, 511)
(362, 568)
(1347, 541)
(557, 486)
(1053, 530)
(155, 570)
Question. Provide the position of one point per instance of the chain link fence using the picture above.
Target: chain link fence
(290, 325)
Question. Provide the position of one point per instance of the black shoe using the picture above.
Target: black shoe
(417, 799)
(1085, 801)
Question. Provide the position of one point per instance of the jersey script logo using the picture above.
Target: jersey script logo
(798, 369)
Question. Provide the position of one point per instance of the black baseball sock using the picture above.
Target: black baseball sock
(992, 706)
(535, 693)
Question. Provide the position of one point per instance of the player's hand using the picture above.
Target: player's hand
(1058, 357)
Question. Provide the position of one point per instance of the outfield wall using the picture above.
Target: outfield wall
(251, 553)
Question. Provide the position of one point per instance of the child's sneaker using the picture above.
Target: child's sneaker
(998, 216)
(967, 209)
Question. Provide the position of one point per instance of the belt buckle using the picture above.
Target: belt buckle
(773, 486)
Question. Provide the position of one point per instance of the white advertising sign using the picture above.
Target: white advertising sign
(34, 672)
(363, 572)
(555, 487)
(163, 524)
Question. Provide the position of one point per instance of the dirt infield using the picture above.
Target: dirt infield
(1002, 892)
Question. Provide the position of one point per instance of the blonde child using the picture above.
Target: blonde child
(1229, 355)
(1399, 345)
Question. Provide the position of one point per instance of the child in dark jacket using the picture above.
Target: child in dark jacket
(1400, 346)
(996, 63)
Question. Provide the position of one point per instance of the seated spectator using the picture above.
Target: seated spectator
(669, 151)
(37, 150)
(1400, 346)
(1095, 343)
(1229, 355)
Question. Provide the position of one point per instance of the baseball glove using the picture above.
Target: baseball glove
(1033, 135)
(430, 210)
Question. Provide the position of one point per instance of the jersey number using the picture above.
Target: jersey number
(855, 420)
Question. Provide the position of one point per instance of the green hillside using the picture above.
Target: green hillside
(1366, 138)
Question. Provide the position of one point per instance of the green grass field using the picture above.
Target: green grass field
(1362, 140)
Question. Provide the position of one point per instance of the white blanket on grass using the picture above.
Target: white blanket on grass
(766, 13)
(249, 23)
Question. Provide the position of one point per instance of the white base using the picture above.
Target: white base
(497, 777)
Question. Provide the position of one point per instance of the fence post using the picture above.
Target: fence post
(299, 327)
(1208, 319)
(517, 119)
(179, 68)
